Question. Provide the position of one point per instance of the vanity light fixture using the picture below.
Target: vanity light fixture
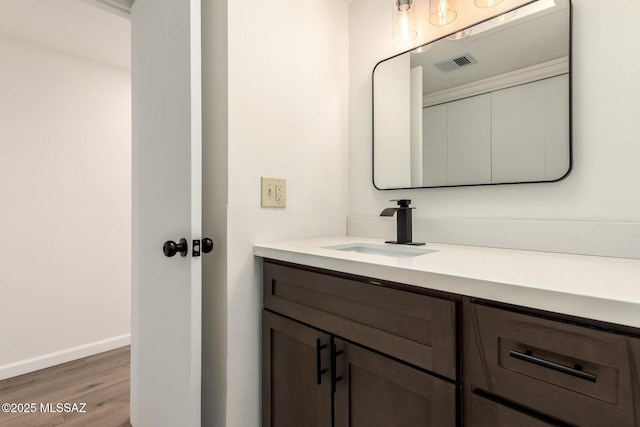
(442, 12)
(404, 28)
(488, 3)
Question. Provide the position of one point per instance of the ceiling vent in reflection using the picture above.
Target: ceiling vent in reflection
(456, 63)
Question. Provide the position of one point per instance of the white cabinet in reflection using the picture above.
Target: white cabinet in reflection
(516, 134)
(435, 150)
(517, 123)
(522, 117)
(457, 142)
(469, 130)
(557, 151)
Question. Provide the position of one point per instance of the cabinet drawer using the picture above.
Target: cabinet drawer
(415, 328)
(576, 374)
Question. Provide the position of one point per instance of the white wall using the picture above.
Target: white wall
(393, 101)
(603, 186)
(64, 207)
(287, 118)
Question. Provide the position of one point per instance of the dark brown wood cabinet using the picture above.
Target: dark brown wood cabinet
(343, 350)
(559, 373)
(351, 353)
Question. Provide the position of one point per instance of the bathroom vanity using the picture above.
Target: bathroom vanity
(356, 332)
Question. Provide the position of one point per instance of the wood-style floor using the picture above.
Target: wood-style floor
(100, 381)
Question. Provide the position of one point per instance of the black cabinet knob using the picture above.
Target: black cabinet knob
(207, 245)
(170, 248)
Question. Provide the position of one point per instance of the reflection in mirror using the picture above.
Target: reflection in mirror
(487, 105)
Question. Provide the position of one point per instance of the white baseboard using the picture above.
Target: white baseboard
(52, 359)
(613, 239)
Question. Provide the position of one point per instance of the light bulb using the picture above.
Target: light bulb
(404, 20)
(442, 12)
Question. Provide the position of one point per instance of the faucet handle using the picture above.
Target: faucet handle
(403, 203)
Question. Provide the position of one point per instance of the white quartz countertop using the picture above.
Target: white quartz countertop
(599, 288)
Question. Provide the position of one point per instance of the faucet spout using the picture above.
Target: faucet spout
(389, 211)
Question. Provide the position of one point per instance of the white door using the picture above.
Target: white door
(166, 292)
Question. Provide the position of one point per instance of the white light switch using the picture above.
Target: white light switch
(274, 192)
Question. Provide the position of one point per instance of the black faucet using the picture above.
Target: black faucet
(404, 222)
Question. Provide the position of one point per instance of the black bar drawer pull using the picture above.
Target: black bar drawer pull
(334, 367)
(319, 370)
(576, 372)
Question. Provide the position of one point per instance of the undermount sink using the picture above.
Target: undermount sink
(394, 251)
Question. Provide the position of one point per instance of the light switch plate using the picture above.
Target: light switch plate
(274, 192)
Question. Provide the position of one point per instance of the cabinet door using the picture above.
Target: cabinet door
(296, 389)
(469, 141)
(434, 149)
(518, 133)
(373, 390)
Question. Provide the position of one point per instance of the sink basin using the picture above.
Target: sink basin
(394, 251)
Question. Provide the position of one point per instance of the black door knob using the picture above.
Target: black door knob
(207, 245)
(170, 248)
